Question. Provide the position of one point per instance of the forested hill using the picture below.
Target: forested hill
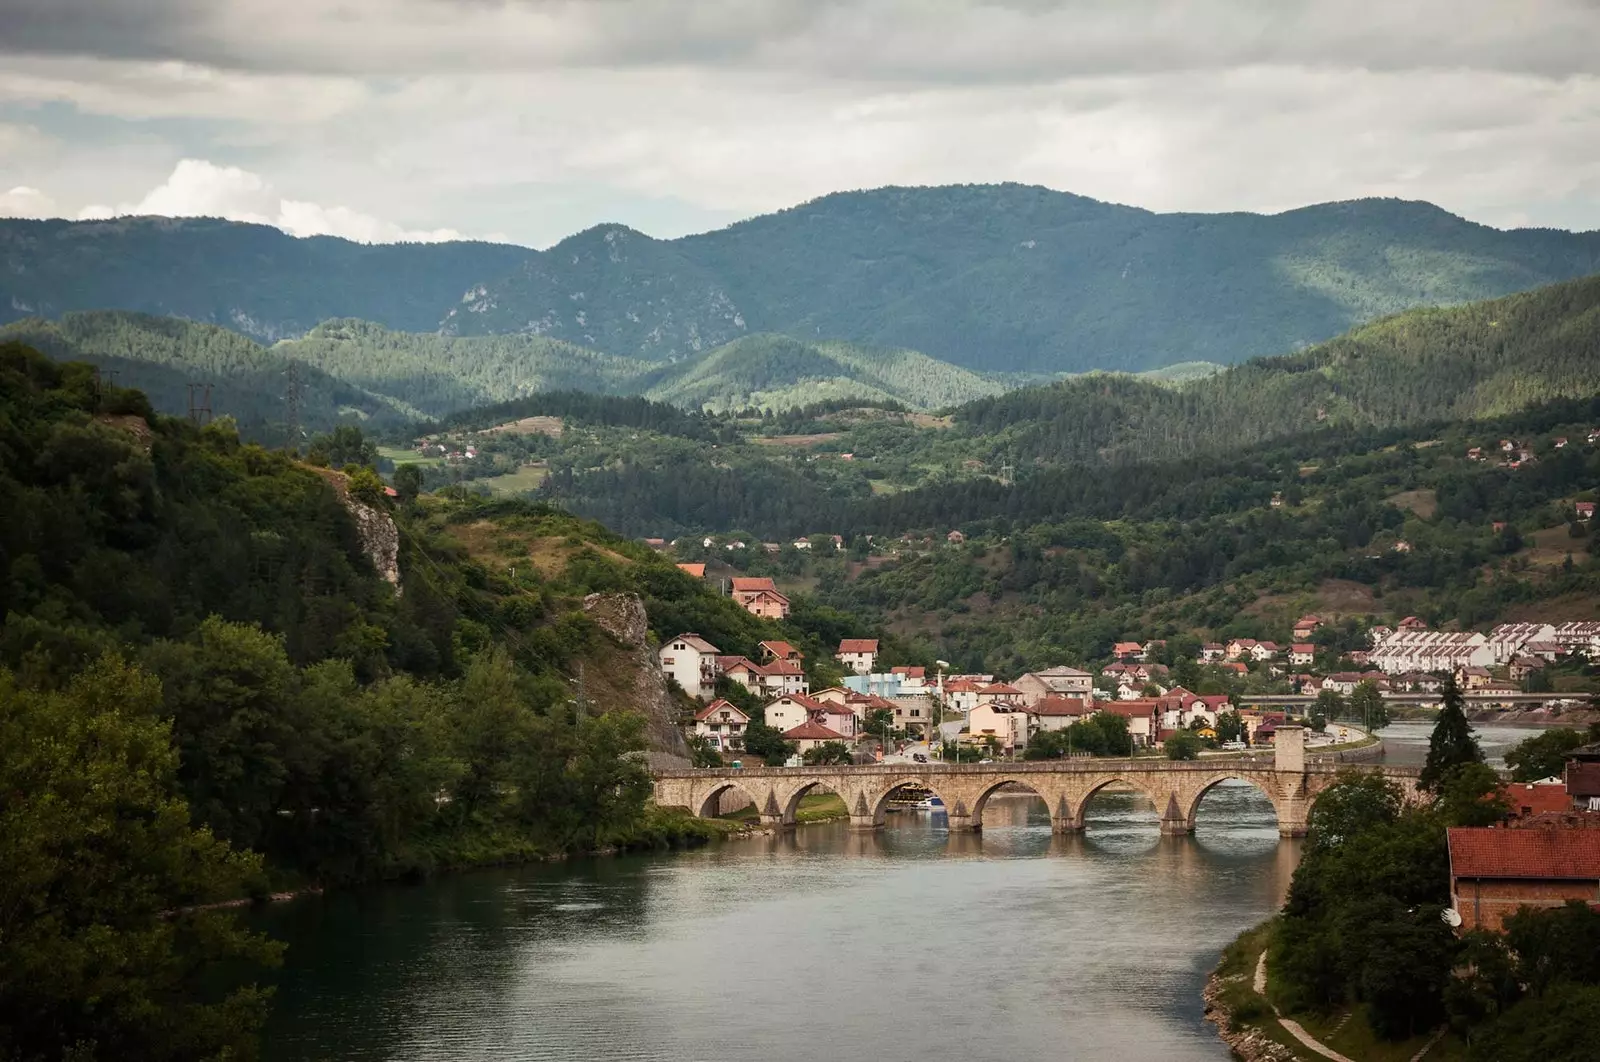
(990, 278)
(1459, 363)
(357, 370)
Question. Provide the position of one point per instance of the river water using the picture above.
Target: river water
(911, 944)
(908, 944)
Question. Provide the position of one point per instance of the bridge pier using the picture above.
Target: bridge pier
(864, 824)
(1174, 823)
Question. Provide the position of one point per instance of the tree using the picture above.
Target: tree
(408, 481)
(1544, 755)
(1537, 681)
(1329, 705)
(1451, 743)
(1470, 794)
(1367, 706)
(1048, 745)
(768, 743)
(1183, 745)
(102, 951)
(1555, 1027)
(702, 753)
(1556, 944)
(827, 753)
(1230, 726)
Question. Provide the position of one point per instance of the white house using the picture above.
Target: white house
(691, 662)
(1063, 681)
(840, 718)
(1302, 654)
(1006, 723)
(1058, 713)
(722, 724)
(961, 695)
(791, 710)
(858, 654)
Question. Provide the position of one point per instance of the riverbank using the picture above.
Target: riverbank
(1238, 1000)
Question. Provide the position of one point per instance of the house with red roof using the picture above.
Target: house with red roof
(1000, 693)
(809, 735)
(691, 662)
(1006, 723)
(1585, 510)
(858, 654)
(1211, 652)
(1126, 651)
(696, 570)
(760, 597)
(1305, 627)
(1494, 872)
(722, 723)
(793, 709)
(776, 650)
(1239, 648)
(1302, 654)
(1058, 713)
(1143, 716)
(962, 694)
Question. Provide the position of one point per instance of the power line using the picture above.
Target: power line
(200, 411)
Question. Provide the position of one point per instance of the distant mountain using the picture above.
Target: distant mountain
(253, 279)
(349, 369)
(778, 372)
(992, 278)
(162, 356)
(1485, 359)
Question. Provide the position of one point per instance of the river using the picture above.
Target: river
(908, 944)
(911, 943)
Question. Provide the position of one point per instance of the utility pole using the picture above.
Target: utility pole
(200, 411)
(292, 404)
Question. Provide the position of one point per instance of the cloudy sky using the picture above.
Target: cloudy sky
(530, 119)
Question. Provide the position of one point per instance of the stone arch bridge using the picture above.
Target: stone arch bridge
(1066, 786)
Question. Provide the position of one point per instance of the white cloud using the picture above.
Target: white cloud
(25, 202)
(198, 188)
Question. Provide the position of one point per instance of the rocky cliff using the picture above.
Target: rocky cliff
(630, 677)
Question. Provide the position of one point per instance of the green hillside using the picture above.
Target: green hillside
(994, 278)
(776, 372)
(162, 356)
(356, 370)
(1460, 363)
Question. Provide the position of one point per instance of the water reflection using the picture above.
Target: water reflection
(824, 943)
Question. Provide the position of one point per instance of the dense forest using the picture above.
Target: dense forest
(992, 278)
(208, 690)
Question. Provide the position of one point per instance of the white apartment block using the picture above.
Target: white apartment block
(1414, 650)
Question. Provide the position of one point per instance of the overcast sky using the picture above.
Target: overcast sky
(528, 120)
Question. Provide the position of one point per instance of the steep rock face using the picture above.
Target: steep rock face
(380, 538)
(633, 679)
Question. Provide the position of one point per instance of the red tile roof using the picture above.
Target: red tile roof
(716, 706)
(1127, 647)
(1061, 706)
(858, 645)
(782, 650)
(812, 731)
(1003, 689)
(1537, 799)
(696, 570)
(1302, 647)
(1540, 854)
(909, 672)
(1583, 779)
(743, 582)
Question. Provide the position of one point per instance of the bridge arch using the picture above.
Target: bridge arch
(1205, 786)
(790, 805)
(1027, 782)
(879, 805)
(706, 805)
(1099, 784)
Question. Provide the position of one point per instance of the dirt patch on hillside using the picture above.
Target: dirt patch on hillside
(131, 423)
(1333, 598)
(551, 426)
(505, 547)
(1422, 502)
(1568, 608)
(797, 440)
(1549, 547)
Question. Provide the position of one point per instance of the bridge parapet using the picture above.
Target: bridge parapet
(1066, 786)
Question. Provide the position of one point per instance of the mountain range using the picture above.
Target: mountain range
(995, 278)
(347, 368)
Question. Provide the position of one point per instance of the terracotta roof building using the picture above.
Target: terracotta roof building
(810, 734)
(1493, 872)
(760, 597)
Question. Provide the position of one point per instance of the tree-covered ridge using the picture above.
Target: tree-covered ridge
(1465, 362)
(988, 277)
(361, 372)
(775, 372)
(251, 278)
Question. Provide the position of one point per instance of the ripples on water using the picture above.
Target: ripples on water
(908, 944)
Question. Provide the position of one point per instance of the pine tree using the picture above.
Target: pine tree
(1452, 743)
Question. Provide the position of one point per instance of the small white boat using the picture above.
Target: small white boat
(929, 803)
